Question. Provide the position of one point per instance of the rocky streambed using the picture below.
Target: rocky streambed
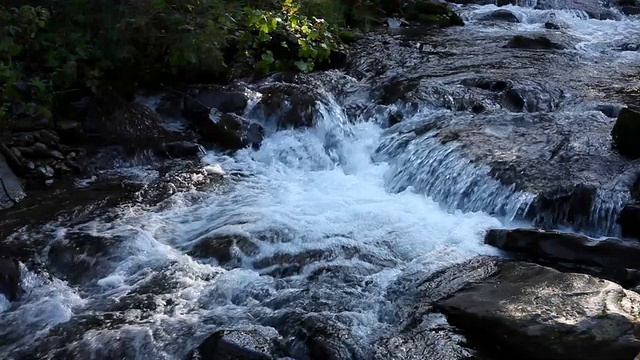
(452, 193)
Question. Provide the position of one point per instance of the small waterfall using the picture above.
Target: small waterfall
(439, 171)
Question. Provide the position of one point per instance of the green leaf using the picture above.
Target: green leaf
(268, 57)
(302, 65)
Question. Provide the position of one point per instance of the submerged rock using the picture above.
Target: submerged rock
(501, 15)
(179, 149)
(224, 248)
(626, 132)
(532, 312)
(534, 42)
(616, 259)
(288, 105)
(236, 345)
(9, 278)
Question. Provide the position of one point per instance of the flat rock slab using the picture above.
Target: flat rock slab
(11, 183)
(617, 259)
(535, 312)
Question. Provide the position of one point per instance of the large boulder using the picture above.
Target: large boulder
(626, 132)
(287, 105)
(553, 168)
(9, 278)
(530, 311)
(615, 259)
(116, 121)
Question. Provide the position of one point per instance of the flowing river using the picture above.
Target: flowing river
(335, 224)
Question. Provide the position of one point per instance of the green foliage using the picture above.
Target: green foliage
(53, 52)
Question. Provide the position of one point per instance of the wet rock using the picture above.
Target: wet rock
(69, 130)
(230, 131)
(319, 337)
(616, 259)
(201, 101)
(609, 110)
(532, 312)
(501, 15)
(132, 124)
(533, 97)
(10, 278)
(224, 248)
(45, 172)
(593, 8)
(533, 42)
(49, 138)
(238, 344)
(10, 166)
(10, 186)
(180, 149)
(80, 257)
(397, 90)
(630, 10)
(630, 47)
(288, 105)
(495, 85)
(562, 160)
(556, 25)
(626, 132)
(170, 105)
(431, 13)
(629, 221)
(22, 139)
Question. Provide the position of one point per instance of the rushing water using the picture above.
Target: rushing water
(324, 221)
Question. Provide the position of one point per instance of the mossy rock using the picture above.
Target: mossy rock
(626, 133)
(430, 13)
(348, 36)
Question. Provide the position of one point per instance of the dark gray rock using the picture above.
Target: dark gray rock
(224, 248)
(593, 8)
(501, 15)
(609, 110)
(10, 278)
(230, 131)
(629, 47)
(629, 221)
(630, 10)
(562, 160)
(201, 101)
(533, 312)
(626, 132)
(11, 190)
(534, 42)
(615, 259)
(556, 25)
(238, 345)
(180, 149)
(288, 105)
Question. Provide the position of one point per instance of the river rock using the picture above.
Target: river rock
(501, 15)
(238, 344)
(224, 248)
(10, 278)
(80, 257)
(593, 8)
(201, 101)
(561, 162)
(616, 259)
(534, 312)
(630, 10)
(230, 131)
(626, 132)
(179, 149)
(555, 25)
(287, 105)
(534, 42)
(132, 124)
(431, 13)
